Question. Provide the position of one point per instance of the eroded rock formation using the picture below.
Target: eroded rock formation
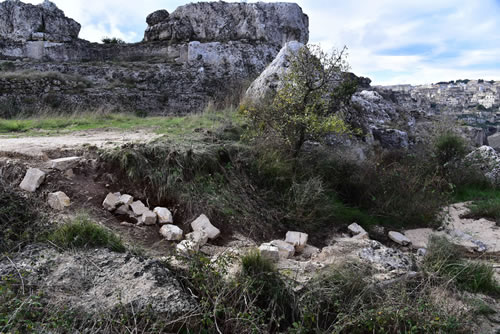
(198, 54)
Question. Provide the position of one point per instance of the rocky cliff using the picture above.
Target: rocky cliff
(198, 54)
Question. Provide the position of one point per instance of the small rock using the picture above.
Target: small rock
(123, 210)
(286, 250)
(202, 223)
(69, 173)
(198, 237)
(58, 200)
(127, 224)
(32, 180)
(186, 246)
(363, 235)
(355, 229)
(138, 208)
(164, 215)
(63, 164)
(310, 251)
(269, 252)
(171, 232)
(399, 238)
(297, 239)
(111, 201)
(421, 252)
(148, 218)
(125, 199)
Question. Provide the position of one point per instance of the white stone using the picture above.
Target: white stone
(138, 208)
(297, 239)
(198, 237)
(271, 79)
(171, 232)
(58, 200)
(111, 201)
(399, 238)
(286, 250)
(269, 252)
(355, 229)
(125, 199)
(363, 235)
(164, 215)
(32, 180)
(202, 223)
(123, 210)
(148, 218)
(64, 163)
(186, 246)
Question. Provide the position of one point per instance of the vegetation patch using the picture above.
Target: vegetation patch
(83, 233)
(20, 220)
(444, 262)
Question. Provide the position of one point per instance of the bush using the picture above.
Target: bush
(112, 40)
(19, 219)
(305, 107)
(449, 148)
(82, 233)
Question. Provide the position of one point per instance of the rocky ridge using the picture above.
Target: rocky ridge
(188, 58)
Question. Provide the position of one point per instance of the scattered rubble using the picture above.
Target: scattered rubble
(202, 223)
(63, 164)
(32, 180)
(171, 232)
(399, 238)
(111, 201)
(297, 239)
(58, 200)
(164, 215)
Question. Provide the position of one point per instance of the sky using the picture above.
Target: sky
(389, 41)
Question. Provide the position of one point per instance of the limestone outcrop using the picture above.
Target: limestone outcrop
(43, 22)
(273, 24)
(199, 54)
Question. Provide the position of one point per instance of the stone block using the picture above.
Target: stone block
(32, 180)
(202, 223)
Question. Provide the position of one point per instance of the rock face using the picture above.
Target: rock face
(43, 22)
(270, 23)
(209, 50)
(270, 81)
(116, 279)
(487, 160)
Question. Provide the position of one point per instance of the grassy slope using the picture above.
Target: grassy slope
(56, 124)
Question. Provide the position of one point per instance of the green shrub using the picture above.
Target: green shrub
(444, 261)
(20, 220)
(112, 40)
(448, 148)
(83, 233)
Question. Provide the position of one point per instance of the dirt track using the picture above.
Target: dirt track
(36, 146)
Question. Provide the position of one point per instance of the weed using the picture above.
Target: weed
(489, 208)
(83, 233)
(443, 261)
(19, 219)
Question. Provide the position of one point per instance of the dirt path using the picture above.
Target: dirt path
(37, 146)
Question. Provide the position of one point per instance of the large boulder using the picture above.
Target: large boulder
(25, 22)
(271, 80)
(269, 23)
(487, 161)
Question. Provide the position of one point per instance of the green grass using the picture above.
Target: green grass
(83, 233)
(443, 260)
(485, 202)
(169, 125)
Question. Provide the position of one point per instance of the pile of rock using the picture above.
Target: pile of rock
(124, 205)
(203, 230)
(295, 243)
